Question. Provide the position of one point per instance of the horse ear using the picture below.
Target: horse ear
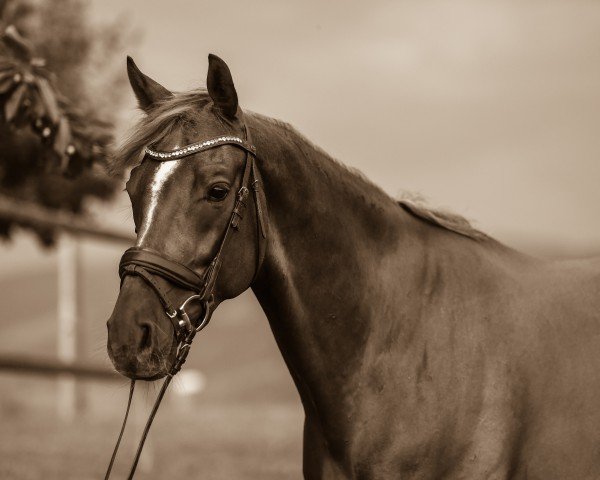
(220, 86)
(146, 90)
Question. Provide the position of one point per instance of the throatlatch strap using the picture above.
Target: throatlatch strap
(259, 209)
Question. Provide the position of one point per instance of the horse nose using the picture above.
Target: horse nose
(146, 336)
(133, 337)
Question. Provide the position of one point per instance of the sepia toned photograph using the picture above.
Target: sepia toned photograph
(333, 240)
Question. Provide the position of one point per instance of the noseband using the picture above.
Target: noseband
(148, 264)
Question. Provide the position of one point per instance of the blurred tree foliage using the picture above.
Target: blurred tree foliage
(59, 85)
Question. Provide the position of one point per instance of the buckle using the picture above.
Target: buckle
(185, 321)
(206, 317)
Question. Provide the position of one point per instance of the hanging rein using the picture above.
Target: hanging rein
(148, 264)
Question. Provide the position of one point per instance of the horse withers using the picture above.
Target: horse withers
(421, 348)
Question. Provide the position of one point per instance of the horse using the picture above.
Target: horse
(421, 348)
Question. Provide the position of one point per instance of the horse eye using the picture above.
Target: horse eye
(218, 192)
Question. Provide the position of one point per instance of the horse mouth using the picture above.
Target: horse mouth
(136, 371)
(146, 365)
(151, 378)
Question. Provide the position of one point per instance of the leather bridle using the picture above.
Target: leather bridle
(149, 264)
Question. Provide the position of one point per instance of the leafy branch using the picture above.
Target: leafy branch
(55, 120)
(28, 98)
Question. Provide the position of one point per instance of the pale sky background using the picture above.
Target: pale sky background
(491, 109)
(488, 108)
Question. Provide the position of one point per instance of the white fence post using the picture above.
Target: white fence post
(67, 322)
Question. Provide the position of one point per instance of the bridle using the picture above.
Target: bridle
(148, 264)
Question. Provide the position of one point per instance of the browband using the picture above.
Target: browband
(200, 147)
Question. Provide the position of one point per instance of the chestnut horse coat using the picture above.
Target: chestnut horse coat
(420, 347)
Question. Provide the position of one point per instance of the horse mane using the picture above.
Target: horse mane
(453, 222)
(289, 128)
(178, 111)
(412, 203)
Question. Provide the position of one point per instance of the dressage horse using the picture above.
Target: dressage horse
(421, 348)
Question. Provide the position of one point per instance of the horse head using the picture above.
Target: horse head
(188, 200)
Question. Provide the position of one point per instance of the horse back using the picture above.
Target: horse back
(556, 360)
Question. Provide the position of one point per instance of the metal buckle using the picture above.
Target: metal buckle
(188, 300)
(185, 321)
(206, 317)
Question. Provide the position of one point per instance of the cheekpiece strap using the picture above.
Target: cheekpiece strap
(200, 147)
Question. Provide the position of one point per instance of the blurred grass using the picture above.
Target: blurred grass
(191, 438)
(247, 423)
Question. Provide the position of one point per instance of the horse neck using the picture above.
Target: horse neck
(334, 241)
(355, 287)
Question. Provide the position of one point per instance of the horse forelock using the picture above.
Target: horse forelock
(173, 112)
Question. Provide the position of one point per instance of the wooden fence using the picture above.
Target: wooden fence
(69, 332)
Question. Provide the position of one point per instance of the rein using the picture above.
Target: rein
(147, 264)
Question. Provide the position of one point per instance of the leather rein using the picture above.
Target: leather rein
(148, 264)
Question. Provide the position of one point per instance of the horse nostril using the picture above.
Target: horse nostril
(145, 341)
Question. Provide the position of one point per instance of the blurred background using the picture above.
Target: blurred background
(489, 109)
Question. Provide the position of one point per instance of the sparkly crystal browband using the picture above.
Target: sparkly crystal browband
(199, 147)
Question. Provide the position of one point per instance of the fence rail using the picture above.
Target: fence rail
(50, 366)
(69, 366)
(27, 213)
